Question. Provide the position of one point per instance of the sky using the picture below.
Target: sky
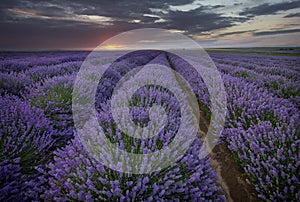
(84, 24)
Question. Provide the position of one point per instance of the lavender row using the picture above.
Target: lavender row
(263, 131)
(278, 85)
(27, 140)
(287, 72)
(265, 127)
(19, 62)
(281, 64)
(29, 134)
(75, 175)
(16, 83)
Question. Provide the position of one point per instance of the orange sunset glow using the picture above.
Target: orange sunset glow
(112, 47)
(22, 12)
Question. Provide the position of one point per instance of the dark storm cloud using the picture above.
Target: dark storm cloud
(124, 12)
(237, 4)
(292, 15)
(237, 32)
(199, 20)
(270, 9)
(85, 23)
(218, 6)
(61, 23)
(276, 32)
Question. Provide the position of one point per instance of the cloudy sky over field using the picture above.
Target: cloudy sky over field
(84, 24)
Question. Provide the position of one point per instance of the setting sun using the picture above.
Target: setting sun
(112, 47)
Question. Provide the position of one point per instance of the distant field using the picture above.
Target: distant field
(262, 51)
(42, 158)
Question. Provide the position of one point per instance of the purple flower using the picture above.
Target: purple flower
(26, 141)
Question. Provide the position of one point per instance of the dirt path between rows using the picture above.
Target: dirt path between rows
(231, 177)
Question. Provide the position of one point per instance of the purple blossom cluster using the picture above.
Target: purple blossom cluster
(13, 83)
(26, 141)
(54, 97)
(275, 65)
(39, 73)
(140, 104)
(283, 82)
(262, 129)
(20, 62)
(75, 175)
(266, 141)
(195, 80)
(118, 69)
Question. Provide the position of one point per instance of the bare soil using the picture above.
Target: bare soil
(231, 177)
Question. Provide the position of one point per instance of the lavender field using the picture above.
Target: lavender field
(42, 158)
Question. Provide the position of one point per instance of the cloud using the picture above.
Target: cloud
(292, 15)
(236, 32)
(22, 12)
(86, 23)
(147, 41)
(270, 9)
(55, 18)
(199, 20)
(276, 32)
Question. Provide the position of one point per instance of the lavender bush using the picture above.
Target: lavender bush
(262, 130)
(54, 96)
(75, 175)
(265, 141)
(26, 141)
(13, 83)
(40, 73)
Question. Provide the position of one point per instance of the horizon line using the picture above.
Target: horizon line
(91, 49)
